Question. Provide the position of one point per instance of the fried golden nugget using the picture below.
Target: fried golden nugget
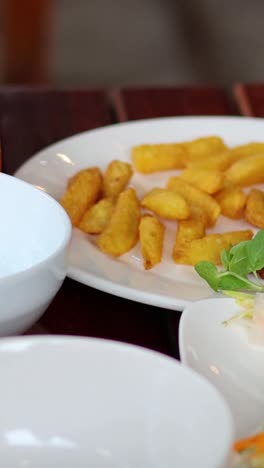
(76, 175)
(213, 162)
(116, 178)
(97, 217)
(82, 193)
(246, 171)
(243, 151)
(166, 204)
(194, 196)
(198, 213)
(232, 201)
(151, 236)
(189, 230)
(205, 146)
(209, 247)
(121, 233)
(160, 157)
(222, 160)
(254, 212)
(208, 181)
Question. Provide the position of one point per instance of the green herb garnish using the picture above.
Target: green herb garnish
(238, 262)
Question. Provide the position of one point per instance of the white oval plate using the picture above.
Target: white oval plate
(167, 285)
(226, 358)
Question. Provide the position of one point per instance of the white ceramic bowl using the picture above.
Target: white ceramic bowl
(34, 234)
(78, 402)
(225, 357)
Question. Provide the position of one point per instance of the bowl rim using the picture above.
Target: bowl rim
(69, 341)
(62, 245)
(185, 317)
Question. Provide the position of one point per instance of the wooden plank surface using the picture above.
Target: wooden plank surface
(145, 103)
(29, 121)
(32, 119)
(250, 99)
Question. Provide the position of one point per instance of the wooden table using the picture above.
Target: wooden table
(31, 119)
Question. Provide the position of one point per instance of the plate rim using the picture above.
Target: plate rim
(131, 123)
(127, 292)
(109, 286)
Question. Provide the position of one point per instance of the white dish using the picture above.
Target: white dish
(77, 402)
(224, 356)
(167, 285)
(35, 233)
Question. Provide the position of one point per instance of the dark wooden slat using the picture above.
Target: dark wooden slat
(31, 120)
(144, 103)
(81, 310)
(250, 99)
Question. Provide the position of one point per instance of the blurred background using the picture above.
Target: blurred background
(131, 42)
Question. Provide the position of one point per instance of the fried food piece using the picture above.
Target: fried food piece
(151, 236)
(97, 217)
(82, 193)
(166, 203)
(121, 233)
(254, 212)
(247, 171)
(160, 157)
(189, 230)
(232, 201)
(202, 147)
(194, 196)
(222, 160)
(75, 176)
(243, 151)
(208, 181)
(116, 178)
(214, 162)
(209, 247)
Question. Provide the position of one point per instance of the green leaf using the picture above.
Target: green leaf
(233, 283)
(229, 280)
(225, 258)
(255, 252)
(239, 259)
(209, 272)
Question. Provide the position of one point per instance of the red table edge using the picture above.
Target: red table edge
(117, 103)
(242, 100)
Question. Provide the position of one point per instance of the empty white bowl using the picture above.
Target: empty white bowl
(34, 234)
(78, 402)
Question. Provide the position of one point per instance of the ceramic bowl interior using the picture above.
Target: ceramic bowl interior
(33, 226)
(87, 402)
(226, 357)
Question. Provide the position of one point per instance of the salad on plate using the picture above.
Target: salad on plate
(240, 278)
(249, 452)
